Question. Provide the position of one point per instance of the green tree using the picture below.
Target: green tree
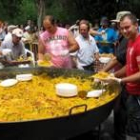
(18, 11)
(27, 11)
(40, 4)
(9, 9)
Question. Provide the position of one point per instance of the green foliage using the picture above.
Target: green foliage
(19, 11)
(9, 9)
(27, 11)
(57, 10)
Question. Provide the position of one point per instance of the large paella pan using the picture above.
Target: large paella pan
(62, 124)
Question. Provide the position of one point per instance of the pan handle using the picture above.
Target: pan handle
(78, 106)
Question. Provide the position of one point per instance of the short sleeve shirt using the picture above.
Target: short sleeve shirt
(87, 49)
(133, 60)
(17, 49)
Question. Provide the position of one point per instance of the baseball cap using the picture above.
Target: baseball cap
(104, 21)
(18, 32)
(119, 15)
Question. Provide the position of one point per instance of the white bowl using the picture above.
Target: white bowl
(104, 59)
(24, 77)
(66, 89)
(8, 82)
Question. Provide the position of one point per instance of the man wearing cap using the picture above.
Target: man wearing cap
(108, 38)
(10, 28)
(16, 46)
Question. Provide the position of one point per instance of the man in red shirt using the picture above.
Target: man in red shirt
(130, 74)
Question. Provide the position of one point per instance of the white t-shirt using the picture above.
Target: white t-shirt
(87, 49)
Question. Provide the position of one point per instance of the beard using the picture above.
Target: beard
(85, 36)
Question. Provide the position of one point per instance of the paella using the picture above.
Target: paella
(37, 98)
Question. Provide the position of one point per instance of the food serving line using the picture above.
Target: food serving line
(55, 128)
(64, 126)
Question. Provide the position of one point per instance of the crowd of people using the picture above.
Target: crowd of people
(77, 55)
(14, 40)
(80, 47)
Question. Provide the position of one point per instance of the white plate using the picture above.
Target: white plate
(23, 65)
(24, 77)
(66, 89)
(8, 82)
(95, 93)
(104, 59)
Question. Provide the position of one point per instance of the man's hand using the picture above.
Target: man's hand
(114, 79)
(109, 79)
(112, 76)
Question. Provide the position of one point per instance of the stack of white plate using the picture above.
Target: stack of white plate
(66, 89)
(104, 59)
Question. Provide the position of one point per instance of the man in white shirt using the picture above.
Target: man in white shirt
(88, 52)
(13, 48)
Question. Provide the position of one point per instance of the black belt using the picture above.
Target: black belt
(89, 67)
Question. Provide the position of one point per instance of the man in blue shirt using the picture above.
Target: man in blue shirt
(108, 37)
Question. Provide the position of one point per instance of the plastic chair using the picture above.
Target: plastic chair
(32, 55)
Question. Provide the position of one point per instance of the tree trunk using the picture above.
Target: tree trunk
(41, 12)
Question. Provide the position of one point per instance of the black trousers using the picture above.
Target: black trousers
(89, 67)
(120, 116)
(133, 115)
(127, 116)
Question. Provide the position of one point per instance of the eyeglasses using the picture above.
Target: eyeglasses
(19, 38)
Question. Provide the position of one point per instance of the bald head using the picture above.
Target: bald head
(49, 23)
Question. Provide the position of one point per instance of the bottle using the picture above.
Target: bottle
(104, 35)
